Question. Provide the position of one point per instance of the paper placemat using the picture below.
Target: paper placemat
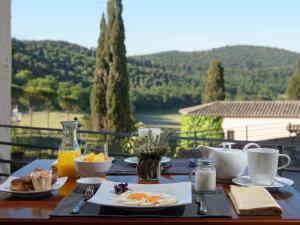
(216, 203)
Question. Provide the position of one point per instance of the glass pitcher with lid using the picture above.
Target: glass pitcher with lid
(68, 150)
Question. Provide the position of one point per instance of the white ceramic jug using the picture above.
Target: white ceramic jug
(229, 162)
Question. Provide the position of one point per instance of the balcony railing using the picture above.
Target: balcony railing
(28, 143)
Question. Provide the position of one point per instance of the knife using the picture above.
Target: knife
(202, 209)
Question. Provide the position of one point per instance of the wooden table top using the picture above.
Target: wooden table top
(18, 211)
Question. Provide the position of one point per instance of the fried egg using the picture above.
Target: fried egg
(131, 198)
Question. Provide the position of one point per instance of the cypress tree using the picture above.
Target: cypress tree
(118, 115)
(293, 88)
(110, 21)
(214, 88)
(98, 93)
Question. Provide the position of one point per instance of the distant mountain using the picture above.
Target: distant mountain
(239, 56)
(167, 79)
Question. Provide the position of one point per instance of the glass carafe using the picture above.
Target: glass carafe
(68, 150)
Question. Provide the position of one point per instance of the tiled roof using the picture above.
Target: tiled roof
(262, 109)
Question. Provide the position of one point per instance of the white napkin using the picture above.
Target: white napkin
(253, 201)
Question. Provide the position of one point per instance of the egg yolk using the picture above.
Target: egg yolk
(140, 196)
(137, 196)
(153, 198)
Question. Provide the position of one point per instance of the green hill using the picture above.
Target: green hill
(238, 56)
(61, 59)
(168, 79)
(251, 72)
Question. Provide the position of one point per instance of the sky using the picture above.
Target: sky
(162, 25)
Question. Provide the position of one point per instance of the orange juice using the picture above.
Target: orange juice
(65, 162)
(68, 187)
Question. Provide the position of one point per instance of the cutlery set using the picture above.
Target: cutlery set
(89, 192)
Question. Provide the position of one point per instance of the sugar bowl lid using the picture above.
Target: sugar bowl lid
(207, 162)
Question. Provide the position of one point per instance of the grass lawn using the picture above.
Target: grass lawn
(39, 119)
(163, 119)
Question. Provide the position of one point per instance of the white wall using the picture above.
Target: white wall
(258, 128)
(5, 78)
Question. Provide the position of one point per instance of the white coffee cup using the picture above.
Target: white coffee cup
(263, 165)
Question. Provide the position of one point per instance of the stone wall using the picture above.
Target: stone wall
(5, 79)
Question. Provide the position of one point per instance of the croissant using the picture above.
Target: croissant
(19, 185)
(38, 180)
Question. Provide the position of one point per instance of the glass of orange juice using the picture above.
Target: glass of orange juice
(68, 150)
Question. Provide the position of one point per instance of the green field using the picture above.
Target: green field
(39, 119)
(163, 119)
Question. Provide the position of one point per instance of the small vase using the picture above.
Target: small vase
(148, 169)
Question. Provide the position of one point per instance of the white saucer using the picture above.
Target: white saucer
(87, 181)
(279, 182)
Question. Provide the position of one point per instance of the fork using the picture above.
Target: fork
(89, 192)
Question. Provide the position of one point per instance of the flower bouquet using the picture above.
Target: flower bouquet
(149, 150)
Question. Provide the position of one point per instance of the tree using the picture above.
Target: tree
(118, 116)
(22, 77)
(110, 21)
(70, 96)
(46, 88)
(16, 90)
(293, 88)
(65, 98)
(16, 93)
(214, 88)
(98, 93)
(31, 97)
(78, 93)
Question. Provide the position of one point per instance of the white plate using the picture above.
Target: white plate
(133, 160)
(182, 190)
(55, 162)
(5, 187)
(278, 183)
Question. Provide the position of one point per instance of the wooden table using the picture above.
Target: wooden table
(16, 211)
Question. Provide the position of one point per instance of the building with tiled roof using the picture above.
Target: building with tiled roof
(259, 109)
(252, 120)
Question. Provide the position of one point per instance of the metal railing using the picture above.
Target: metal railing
(39, 142)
